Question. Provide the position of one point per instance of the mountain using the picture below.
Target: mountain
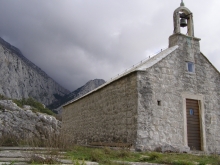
(89, 86)
(20, 78)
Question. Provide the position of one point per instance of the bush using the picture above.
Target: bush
(37, 106)
(123, 153)
(154, 156)
(9, 140)
(2, 97)
(97, 155)
(1, 107)
(143, 159)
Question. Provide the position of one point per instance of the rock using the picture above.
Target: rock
(20, 78)
(26, 107)
(25, 124)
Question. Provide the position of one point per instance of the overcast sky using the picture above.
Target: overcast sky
(75, 41)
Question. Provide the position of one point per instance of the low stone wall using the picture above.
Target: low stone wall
(107, 115)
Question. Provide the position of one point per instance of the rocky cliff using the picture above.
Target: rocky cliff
(22, 123)
(20, 78)
(89, 86)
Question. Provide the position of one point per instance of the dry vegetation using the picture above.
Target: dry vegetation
(104, 156)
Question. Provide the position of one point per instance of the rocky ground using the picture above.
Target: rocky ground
(23, 123)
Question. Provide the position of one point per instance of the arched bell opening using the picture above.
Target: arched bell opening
(183, 21)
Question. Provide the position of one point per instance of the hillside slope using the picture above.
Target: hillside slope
(20, 78)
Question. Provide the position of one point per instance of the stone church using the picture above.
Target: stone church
(170, 101)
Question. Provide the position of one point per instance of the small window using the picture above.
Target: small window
(190, 67)
(158, 102)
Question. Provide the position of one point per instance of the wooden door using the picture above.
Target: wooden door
(193, 124)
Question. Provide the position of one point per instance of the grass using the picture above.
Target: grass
(102, 156)
(37, 107)
(106, 156)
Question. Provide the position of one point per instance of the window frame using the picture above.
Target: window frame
(192, 68)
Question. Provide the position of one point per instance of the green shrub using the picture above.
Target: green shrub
(107, 150)
(123, 153)
(9, 140)
(154, 156)
(2, 97)
(38, 107)
(97, 155)
(144, 159)
(1, 107)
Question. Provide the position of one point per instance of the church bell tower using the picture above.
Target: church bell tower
(183, 17)
(188, 43)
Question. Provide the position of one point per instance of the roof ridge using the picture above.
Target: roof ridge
(154, 60)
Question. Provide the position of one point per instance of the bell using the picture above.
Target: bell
(183, 22)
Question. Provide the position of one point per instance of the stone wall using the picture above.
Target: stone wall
(209, 86)
(107, 115)
(163, 124)
(166, 81)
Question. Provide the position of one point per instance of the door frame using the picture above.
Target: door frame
(201, 117)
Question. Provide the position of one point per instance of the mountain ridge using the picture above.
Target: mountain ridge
(21, 78)
(89, 86)
(19, 54)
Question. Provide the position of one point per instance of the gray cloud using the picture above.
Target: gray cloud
(74, 41)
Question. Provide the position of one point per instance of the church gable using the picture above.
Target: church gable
(168, 88)
(203, 59)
